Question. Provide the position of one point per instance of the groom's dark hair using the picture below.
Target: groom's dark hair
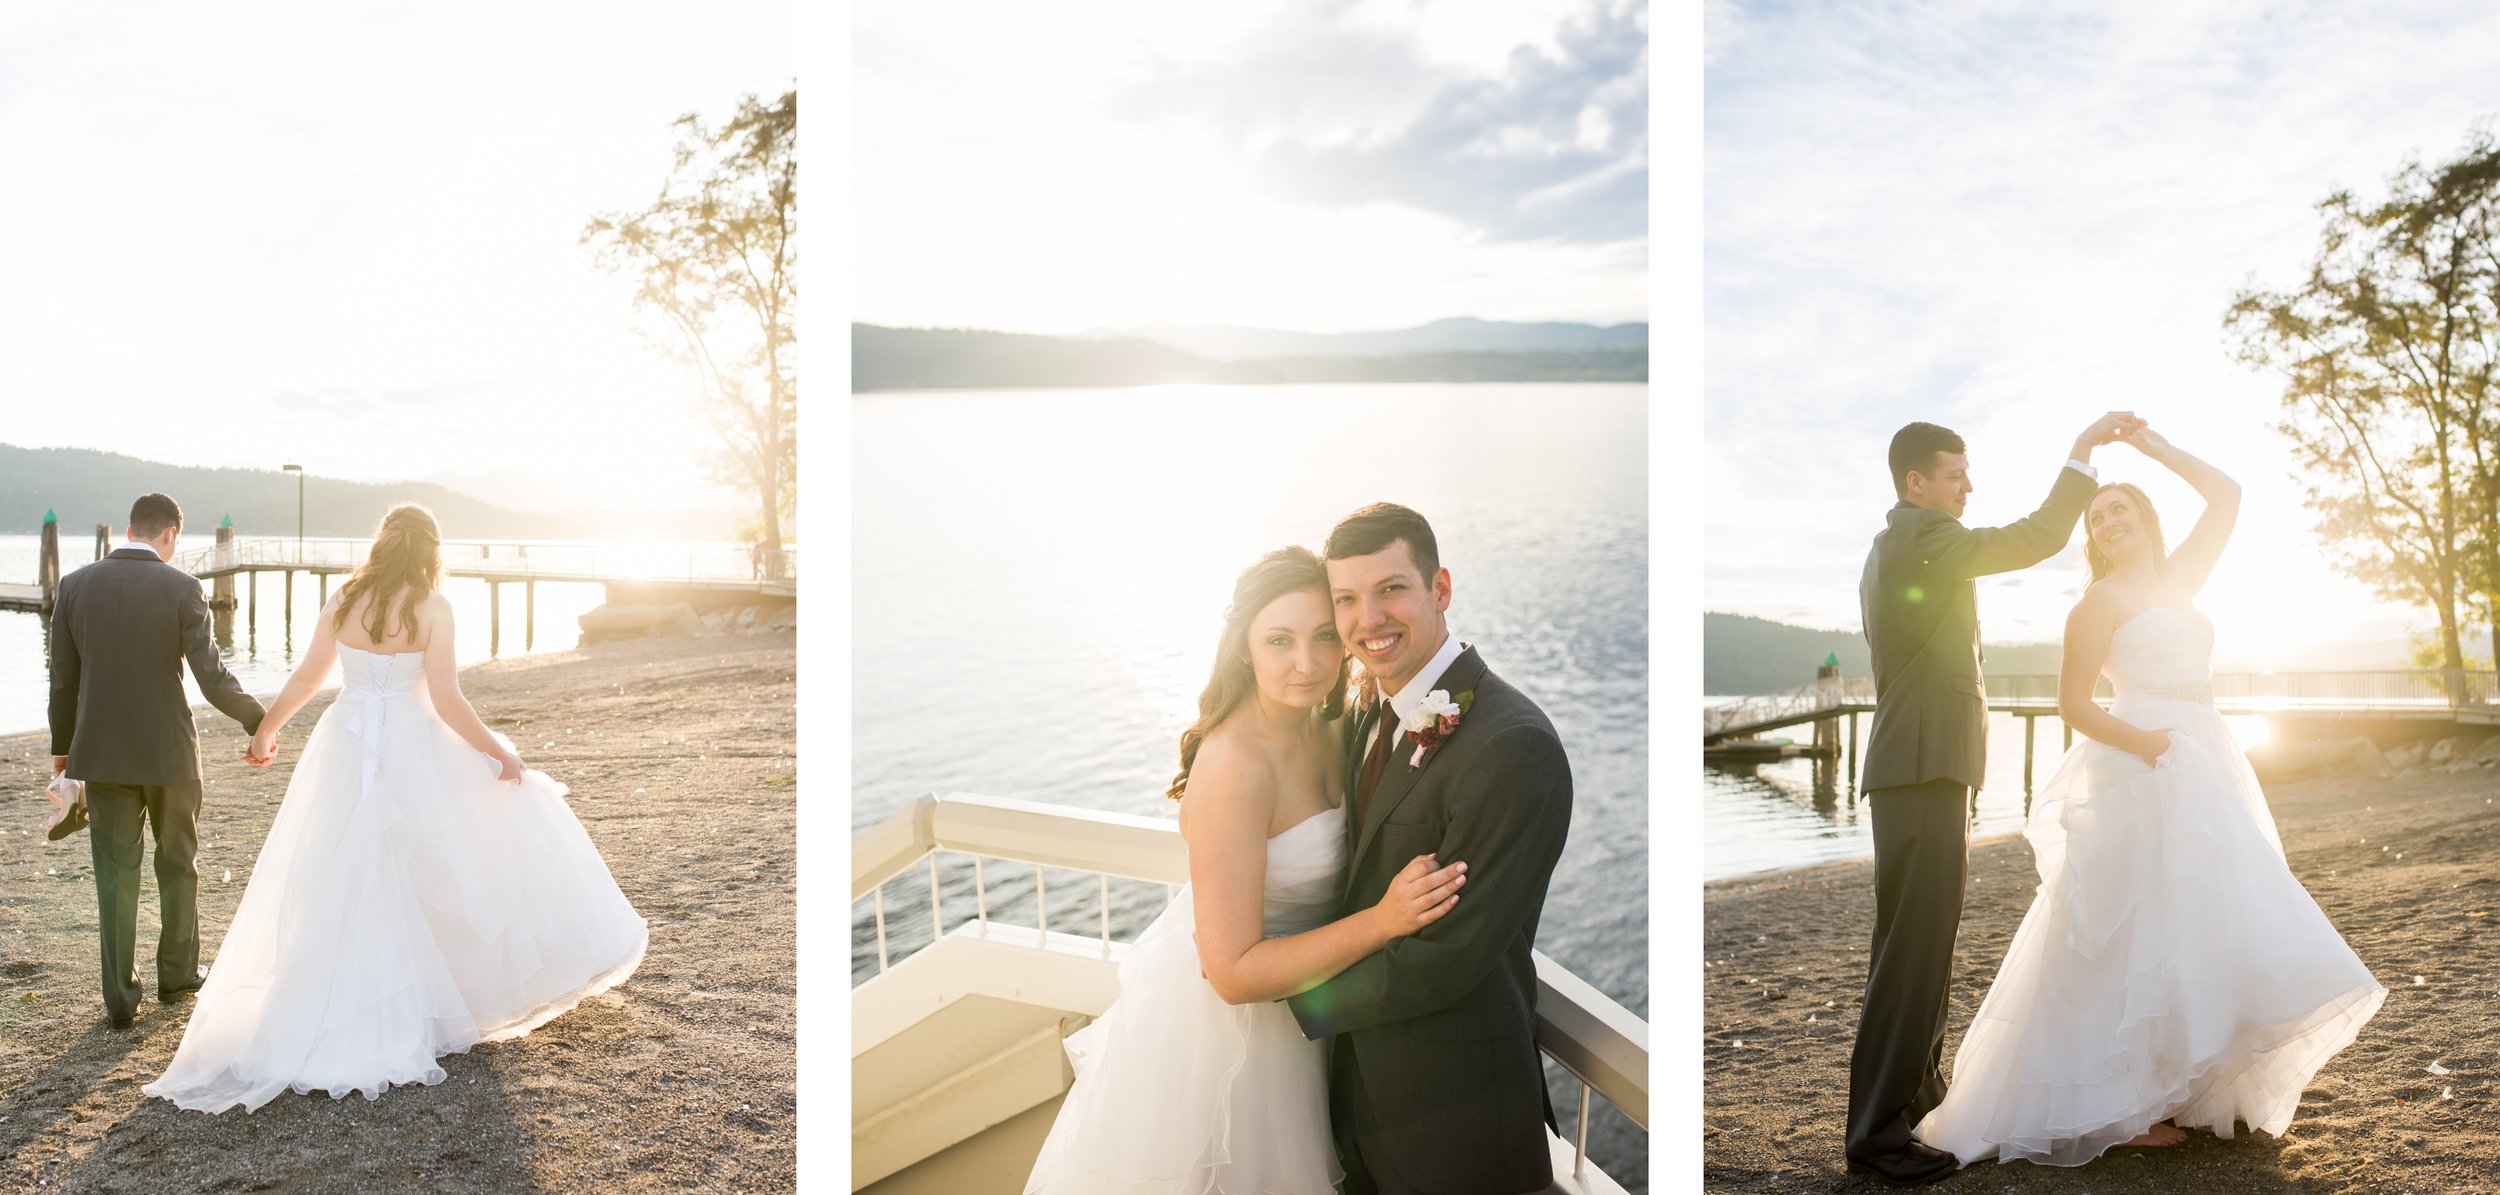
(1378, 525)
(1914, 448)
(153, 514)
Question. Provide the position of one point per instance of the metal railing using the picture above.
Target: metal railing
(2427, 691)
(533, 561)
(1789, 704)
(1593, 1038)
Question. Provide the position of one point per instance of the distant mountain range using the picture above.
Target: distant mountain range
(85, 487)
(1463, 335)
(1743, 656)
(1449, 351)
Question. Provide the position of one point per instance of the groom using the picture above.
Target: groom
(121, 629)
(1925, 753)
(1434, 1079)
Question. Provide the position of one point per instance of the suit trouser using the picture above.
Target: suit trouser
(1922, 854)
(1350, 1111)
(115, 813)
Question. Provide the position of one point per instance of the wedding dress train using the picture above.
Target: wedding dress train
(405, 905)
(2171, 966)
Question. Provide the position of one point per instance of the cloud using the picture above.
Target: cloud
(2010, 218)
(1315, 110)
(347, 402)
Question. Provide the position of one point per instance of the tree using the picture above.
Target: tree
(2387, 350)
(716, 258)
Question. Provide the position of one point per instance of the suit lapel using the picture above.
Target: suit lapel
(1400, 777)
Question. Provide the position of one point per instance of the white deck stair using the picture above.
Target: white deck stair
(956, 1064)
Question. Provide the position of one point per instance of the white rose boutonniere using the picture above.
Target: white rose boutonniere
(1434, 718)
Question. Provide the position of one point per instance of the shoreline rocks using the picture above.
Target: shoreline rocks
(634, 620)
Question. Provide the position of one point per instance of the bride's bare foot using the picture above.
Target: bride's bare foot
(2162, 1133)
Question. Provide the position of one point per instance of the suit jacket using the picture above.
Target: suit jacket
(121, 629)
(1922, 629)
(1443, 1022)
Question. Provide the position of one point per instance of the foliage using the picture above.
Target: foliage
(716, 258)
(2386, 350)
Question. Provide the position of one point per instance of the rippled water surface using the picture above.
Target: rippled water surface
(1038, 579)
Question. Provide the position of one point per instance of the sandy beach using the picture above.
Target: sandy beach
(2408, 867)
(681, 754)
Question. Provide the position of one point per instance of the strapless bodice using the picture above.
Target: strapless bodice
(1304, 865)
(2164, 653)
(369, 673)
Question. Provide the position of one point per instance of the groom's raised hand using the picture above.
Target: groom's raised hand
(2108, 429)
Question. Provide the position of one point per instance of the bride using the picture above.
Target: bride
(420, 891)
(1196, 1080)
(2171, 972)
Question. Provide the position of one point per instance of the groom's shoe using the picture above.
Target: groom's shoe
(123, 1023)
(1913, 1165)
(166, 995)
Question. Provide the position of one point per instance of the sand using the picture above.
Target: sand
(2407, 867)
(682, 758)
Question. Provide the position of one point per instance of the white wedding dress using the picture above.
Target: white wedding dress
(406, 904)
(1180, 1093)
(2171, 966)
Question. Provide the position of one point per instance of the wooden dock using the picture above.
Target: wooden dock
(704, 577)
(2350, 702)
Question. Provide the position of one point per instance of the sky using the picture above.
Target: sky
(1313, 166)
(347, 235)
(2009, 218)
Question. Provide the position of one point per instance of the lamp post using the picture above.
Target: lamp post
(298, 471)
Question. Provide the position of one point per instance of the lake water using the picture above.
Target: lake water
(1768, 817)
(1038, 579)
(262, 650)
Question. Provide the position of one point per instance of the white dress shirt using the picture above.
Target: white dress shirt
(1404, 702)
(143, 546)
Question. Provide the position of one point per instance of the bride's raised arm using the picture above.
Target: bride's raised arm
(1224, 818)
(2194, 559)
(2089, 628)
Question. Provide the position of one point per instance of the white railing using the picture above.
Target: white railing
(532, 561)
(1593, 1038)
(1788, 705)
(2391, 691)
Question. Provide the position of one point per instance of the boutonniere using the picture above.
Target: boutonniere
(1434, 719)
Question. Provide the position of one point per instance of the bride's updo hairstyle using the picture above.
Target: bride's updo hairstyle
(405, 566)
(1276, 574)
(2151, 519)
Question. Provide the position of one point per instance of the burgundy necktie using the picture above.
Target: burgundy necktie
(1376, 763)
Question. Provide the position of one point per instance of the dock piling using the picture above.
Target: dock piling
(221, 590)
(103, 540)
(48, 572)
(494, 618)
(529, 615)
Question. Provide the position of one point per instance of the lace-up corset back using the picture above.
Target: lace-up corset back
(377, 674)
(2163, 652)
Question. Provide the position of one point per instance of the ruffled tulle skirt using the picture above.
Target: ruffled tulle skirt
(405, 905)
(1180, 1093)
(2170, 967)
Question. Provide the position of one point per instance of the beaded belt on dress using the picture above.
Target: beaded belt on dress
(2177, 690)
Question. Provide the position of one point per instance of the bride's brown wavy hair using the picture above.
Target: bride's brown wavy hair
(2092, 556)
(406, 566)
(1274, 575)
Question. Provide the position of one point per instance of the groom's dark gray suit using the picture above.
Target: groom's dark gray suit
(1925, 752)
(1435, 1084)
(122, 628)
